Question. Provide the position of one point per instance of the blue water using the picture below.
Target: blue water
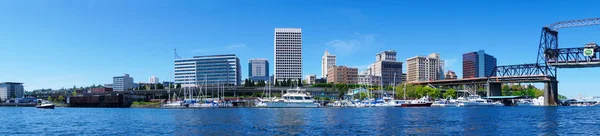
(318, 121)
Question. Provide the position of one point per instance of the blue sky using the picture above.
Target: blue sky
(53, 44)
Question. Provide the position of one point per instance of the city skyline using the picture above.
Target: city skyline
(44, 49)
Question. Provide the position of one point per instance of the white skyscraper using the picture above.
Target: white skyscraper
(425, 68)
(288, 54)
(153, 80)
(327, 61)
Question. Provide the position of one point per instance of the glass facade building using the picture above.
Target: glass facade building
(258, 69)
(11, 90)
(217, 69)
(478, 64)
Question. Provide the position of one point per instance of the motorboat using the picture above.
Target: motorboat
(46, 105)
(206, 104)
(293, 98)
(525, 102)
(476, 100)
(423, 102)
(445, 103)
(175, 104)
(384, 102)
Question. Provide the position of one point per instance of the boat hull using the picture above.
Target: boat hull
(415, 105)
(287, 105)
(46, 106)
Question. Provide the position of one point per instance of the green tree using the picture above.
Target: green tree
(562, 97)
(363, 95)
(433, 93)
(178, 86)
(152, 87)
(74, 93)
(160, 86)
(61, 98)
(49, 98)
(450, 93)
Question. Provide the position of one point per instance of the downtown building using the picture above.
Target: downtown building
(10, 90)
(425, 68)
(153, 80)
(310, 79)
(258, 70)
(218, 70)
(288, 54)
(450, 75)
(123, 83)
(365, 78)
(342, 75)
(478, 64)
(387, 68)
(327, 61)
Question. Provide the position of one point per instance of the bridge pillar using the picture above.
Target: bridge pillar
(551, 93)
(494, 89)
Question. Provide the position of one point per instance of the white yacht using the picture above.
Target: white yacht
(293, 98)
(445, 103)
(175, 104)
(475, 100)
(45, 105)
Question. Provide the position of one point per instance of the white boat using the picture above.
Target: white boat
(175, 104)
(46, 105)
(525, 102)
(293, 98)
(445, 103)
(385, 102)
(476, 100)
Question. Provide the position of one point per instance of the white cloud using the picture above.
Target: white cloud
(349, 46)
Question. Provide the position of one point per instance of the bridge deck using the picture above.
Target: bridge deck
(484, 80)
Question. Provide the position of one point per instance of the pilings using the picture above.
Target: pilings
(494, 89)
(551, 93)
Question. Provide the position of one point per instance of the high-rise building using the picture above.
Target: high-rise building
(425, 68)
(387, 68)
(404, 77)
(288, 54)
(216, 69)
(367, 79)
(310, 79)
(478, 64)
(122, 83)
(258, 69)
(450, 75)
(11, 90)
(327, 60)
(153, 80)
(342, 75)
(389, 55)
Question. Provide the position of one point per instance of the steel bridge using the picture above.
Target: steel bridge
(549, 58)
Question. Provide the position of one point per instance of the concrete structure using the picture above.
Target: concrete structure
(310, 79)
(258, 69)
(366, 79)
(153, 80)
(389, 55)
(123, 83)
(342, 75)
(450, 75)
(108, 85)
(101, 90)
(218, 69)
(327, 60)
(11, 90)
(425, 68)
(288, 54)
(478, 64)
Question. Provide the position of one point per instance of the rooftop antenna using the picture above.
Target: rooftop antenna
(176, 55)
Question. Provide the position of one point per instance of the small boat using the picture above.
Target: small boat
(45, 105)
(445, 103)
(175, 104)
(423, 102)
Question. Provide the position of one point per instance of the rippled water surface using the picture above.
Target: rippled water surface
(318, 121)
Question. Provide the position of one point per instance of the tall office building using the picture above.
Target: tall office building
(153, 80)
(389, 55)
(425, 68)
(450, 75)
(387, 68)
(122, 83)
(258, 69)
(218, 70)
(342, 75)
(11, 90)
(478, 64)
(288, 54)
(327, 61)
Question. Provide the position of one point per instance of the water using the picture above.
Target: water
(318, 121)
